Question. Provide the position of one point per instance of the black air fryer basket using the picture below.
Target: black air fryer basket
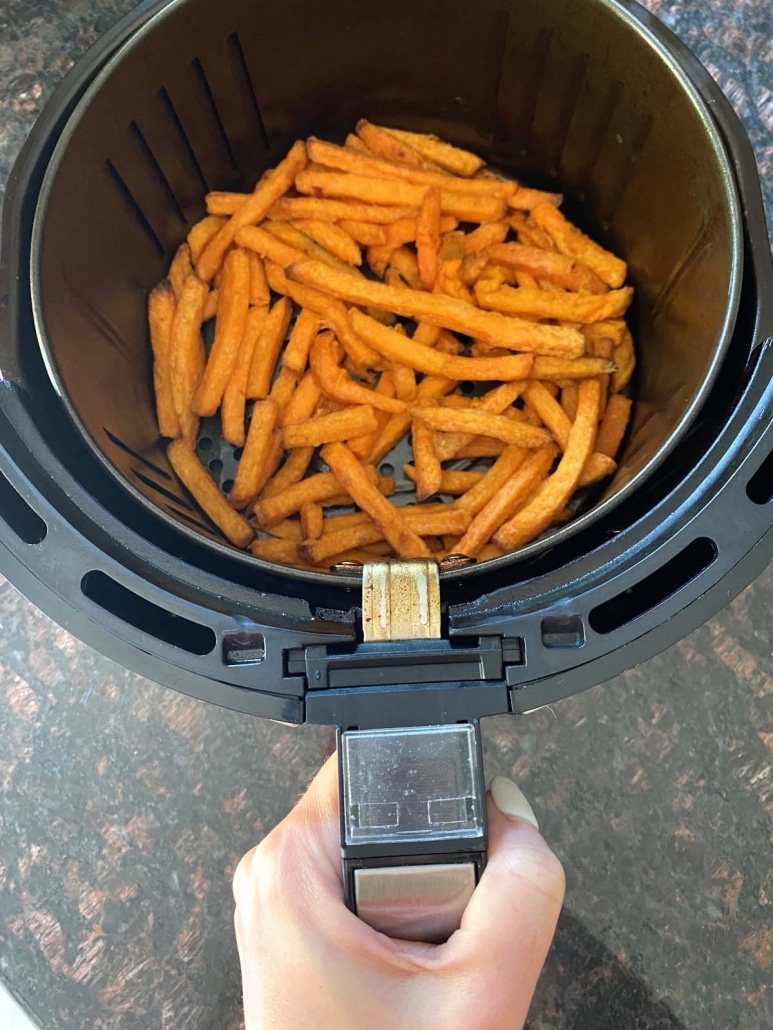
(595, 98)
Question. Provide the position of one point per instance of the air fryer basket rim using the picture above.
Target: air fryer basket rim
(630, 13)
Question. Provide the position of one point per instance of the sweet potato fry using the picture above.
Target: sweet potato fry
(283, 388)
(267, 349)
(221, 202)
(428, 237)
(201, 233)
(487, 235)
(367, 533)
(235, 394)
(613, 425)
(353, 142)
(598, 466)
(404, 379)
(303, 402)
(161, 310)
(453, 159)
(351, 475)
(312, 519)
(429, 474)
(292, 472)
(331, 156)
(569, 307)
(451, 481)
(296, 355)
(569, 398)
(316, 489)
(446, 312)
(336, 383)
(259, 292)
(549, 411)
(508, 462)
(252, 472)
(291, 208)
(283, 551)
(427, 335)
(625, 362)
(270, 188)
(384, 144)
(229, 332)
(432, 362)
(289, 233)
(482, 423)
(187, 353)
(206, 493)
(496, 401)
(554, 493)
(332, 238)
(361, 446)
(210, 306)
(558, 268)
(180, 269)
(467, 207)
(337, 426)
(406, 264)
(570, 240)
(482, 447)
(507, 500)
(579, 368)
(365, 233)
(288, 529)
(525, 199)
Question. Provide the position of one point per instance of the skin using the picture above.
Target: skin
(307, 961)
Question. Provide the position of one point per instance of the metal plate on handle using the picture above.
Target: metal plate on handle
(415, 903)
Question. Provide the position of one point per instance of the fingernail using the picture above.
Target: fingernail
(511, 801)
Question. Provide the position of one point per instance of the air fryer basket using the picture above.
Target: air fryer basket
(188, 96)
(625, 135)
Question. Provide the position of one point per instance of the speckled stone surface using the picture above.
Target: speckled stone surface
(125, 807)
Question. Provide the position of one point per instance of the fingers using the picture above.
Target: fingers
(511, 918)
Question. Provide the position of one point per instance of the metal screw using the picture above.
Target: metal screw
(453, 562)
(347, 567)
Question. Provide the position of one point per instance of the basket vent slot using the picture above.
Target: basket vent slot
(655, 588)
(174, 118)
(243, 77)
(15, 511)
(201, 76)
(128, 198)
(759, 489)
(147, 617)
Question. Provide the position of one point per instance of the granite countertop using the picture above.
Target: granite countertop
(125, 806)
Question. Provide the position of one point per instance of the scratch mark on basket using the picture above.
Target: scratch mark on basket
(694, 252)
(95, 317)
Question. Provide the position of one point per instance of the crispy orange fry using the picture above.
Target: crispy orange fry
(485, 236)
(569, 307)
(361, 446)
(353, 142)
(447, 312)
(430, 361)
(288, 529)
(210, 307)
(290, 208)
(283, 388)
(283, 551)
(351, 475)
(453, 159)
(365, 233)
(252, 472)
(613, 425)
(289, 233)
(482, 447)
(596, 468)
(292, 472)
(550, 411)
(367, 533)
(451, 481)
(331, 156)
(311, 521)
(259, 292)
(161, 309)
(579, 368)
(405, 382)
(180, 269)
(303, 402)
(316, 489)
(235, 395)
(554, 493)
(182, 458)
(233, 305)
(482, 423)
(570, 240)
(569, 399)
(508, 499)
(406, 264)
(267, 349)
(201, 233)
(221, 202)
(493, 480)
(428, 237)
(384, 144)
(525, 199)
(332, 238)
(187, 351)
(429, 474)
(625, 361)
(270, 188)
(296, 355)
(427, 335)
(558, 268)
(336, 382)
(429, 389)
(467, 207)
(496, 401)
(338, 425)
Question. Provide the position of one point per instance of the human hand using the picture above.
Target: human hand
(308, 962)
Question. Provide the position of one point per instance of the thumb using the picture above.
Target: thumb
(511, 918)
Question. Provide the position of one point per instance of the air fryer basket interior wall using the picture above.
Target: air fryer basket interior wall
(206, 96)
